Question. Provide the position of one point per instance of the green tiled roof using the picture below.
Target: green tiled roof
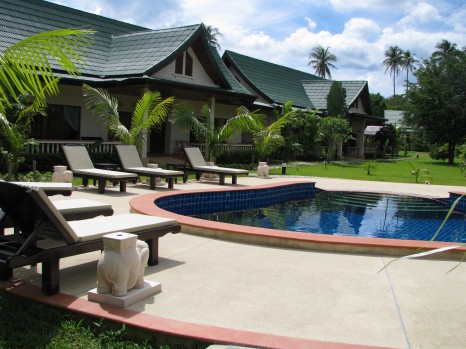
(276, 83)
(317, 91)
(119, 50)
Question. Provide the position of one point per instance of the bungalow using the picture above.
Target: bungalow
(275, 84)
(128, 60)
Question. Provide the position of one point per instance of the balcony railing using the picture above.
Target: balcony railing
(51, 146)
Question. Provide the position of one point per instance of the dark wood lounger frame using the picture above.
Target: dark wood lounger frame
(36, 223)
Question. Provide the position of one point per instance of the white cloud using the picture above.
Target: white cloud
(418, 14)
(310, 23)
(361, 28)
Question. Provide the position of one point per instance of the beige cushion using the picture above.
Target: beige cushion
(154, 171)
(195, 157)
(47, 185)
(218, 169)
(77, 157)
(80, 205)
(129, 156)
(95, 228)
(104, 173)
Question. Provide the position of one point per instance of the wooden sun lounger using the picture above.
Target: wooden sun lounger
(130, 162)
(74, 209)
(44, 236)
(81, 165)
(199, 165)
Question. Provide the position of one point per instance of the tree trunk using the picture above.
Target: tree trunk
(451, 153)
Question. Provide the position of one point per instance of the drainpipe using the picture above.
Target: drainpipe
(210, 124)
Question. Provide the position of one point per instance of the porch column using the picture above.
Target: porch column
(145, 145)
(210, 122)
(340, 151)
(360, 138)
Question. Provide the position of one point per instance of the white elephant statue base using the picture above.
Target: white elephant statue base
(122, 263)
(263, 169)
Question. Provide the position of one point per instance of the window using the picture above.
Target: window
(184, 64)
(60, 122)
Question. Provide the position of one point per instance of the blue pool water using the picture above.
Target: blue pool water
(353, 214)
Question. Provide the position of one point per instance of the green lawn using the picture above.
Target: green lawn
(386, 171)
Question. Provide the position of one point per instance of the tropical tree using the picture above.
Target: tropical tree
(27, 78)
(409, 61)
(27, 67)
(268, 138)
(378, 104)
(336, 100)
(149, 113)
(393, 62)
(444, 50)
(213, 35)
(185, 118)
(438, 98)
(333, 130)
(321, 60)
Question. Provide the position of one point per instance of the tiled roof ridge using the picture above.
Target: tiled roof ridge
(85, 14)
(152, 31)
(229, 52)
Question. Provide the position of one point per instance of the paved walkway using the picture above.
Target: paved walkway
(253, 295)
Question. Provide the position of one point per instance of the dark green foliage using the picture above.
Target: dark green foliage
(336, 100)
(438, 99)
(235, 157)
(387, 138)
(439, 152)
(378, 104)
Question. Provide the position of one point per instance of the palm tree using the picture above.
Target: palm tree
(150, 112)
(445, 49)
(185, 118)
(27, 66)
(393, 62)
(321, 60)
(408, 64)
(27, 78)
(212, 36)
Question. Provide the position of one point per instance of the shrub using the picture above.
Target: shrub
(439, 152)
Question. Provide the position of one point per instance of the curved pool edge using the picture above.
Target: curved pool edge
(144, 204)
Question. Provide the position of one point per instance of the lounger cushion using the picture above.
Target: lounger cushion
(195, 157)
(80, 205)
(104, 173)
(218, 169)
(78, 157)
(129, 156)
(96, 228)
(154, 171)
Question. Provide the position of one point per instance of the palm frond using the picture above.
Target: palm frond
(102, 106)
(28, 64)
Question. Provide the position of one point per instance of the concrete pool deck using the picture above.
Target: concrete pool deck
(252, 295)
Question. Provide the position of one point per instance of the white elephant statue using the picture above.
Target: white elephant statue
(122, 263)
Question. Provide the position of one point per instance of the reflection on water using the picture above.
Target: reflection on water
(355, 214)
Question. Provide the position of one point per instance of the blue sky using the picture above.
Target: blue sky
(357, 31)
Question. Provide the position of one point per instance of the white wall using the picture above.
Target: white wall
(199, 77)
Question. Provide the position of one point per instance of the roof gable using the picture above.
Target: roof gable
(317, 91)
(276, 83)
(119, 50)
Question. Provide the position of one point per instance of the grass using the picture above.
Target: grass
(27, 324)
(386, 171)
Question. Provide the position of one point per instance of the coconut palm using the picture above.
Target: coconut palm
(445, 49)
(27, 78)
(150, 112)
(185, 118)
(27, 66)
(212, 36)
(393, 62)
(409, 61)
(321, 60)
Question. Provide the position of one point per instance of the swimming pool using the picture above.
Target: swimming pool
(181, 204)
(373, 215)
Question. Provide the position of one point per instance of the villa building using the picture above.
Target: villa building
(127, 60)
